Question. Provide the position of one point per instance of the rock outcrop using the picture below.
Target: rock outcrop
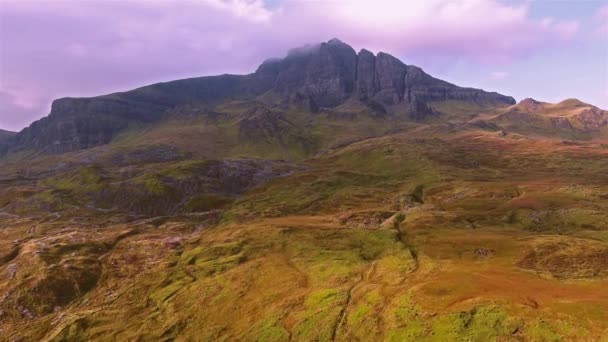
(330, 73)
(80, 123)
(326, 73)
(260, 124)
(592, 118)
(312, 77)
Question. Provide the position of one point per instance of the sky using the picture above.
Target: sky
(548, 50)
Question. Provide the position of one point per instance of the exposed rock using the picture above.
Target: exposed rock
(311, 77)
(366, 75)
(80, 123)
(323, 74)
(390, 73)
(262, 123)
(11, 270)
(25, 313)
(593, 118)
(422, 88)
(365, 219)
(263, 126)
(404, 202)
(560, 122)
(530, 105)
(483, 252)
(75, 124)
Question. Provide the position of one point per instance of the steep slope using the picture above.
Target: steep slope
(325, 75)
(80, 123)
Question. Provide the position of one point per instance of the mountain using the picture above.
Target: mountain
(4, 135)
(325, 75)
(570, 119)
(328, 196)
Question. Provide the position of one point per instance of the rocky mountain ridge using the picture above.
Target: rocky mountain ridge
(325, 75)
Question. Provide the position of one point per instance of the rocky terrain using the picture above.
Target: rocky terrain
(570, 118)
(329, 196)
(314, 77)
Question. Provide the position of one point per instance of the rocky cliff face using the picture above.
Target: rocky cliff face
(324, 73)
(312, 77)
(80, 123)
(329, 73)
(75, 124)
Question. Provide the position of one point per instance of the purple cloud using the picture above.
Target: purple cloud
(78, 48)
(602, 17)
(499, 75)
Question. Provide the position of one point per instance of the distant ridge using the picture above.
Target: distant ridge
(6, 134)
(570, 119)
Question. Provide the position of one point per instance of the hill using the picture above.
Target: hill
(5, 134)
(329, 196)
(569, 119)
(312, 78)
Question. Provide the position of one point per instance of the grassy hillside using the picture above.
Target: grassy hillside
(371, 228)
(570, 119)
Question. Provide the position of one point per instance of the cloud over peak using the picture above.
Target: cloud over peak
(80, 48)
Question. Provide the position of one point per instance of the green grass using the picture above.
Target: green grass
(270, 329)
(320, 315)
(481, 323)
(153, 184)
(184, 169)
(83, 179)
(282, 264)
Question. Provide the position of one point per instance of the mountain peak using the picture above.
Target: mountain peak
(302, 50)
(336, 41)
(572, 102)
(529, 100)
(530, 105)
(328, 73)
(310, 77)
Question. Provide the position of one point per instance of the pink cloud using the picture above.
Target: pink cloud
(602, 18)
(84, 48)
(253, 10)
(603, 11)
(480, 29)
(499, 75)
